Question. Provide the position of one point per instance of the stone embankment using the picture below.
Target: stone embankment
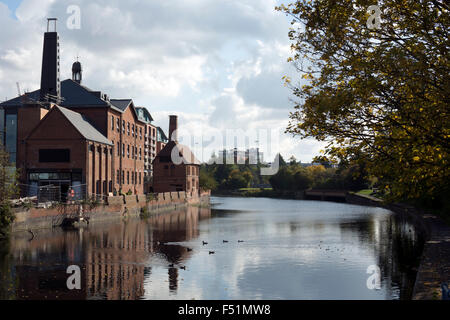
(117, 207)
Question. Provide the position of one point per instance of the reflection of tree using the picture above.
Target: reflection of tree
(406, 248)
(7, 283)
(397, 252)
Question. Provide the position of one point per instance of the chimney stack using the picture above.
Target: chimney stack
(50, 84)
(173, 126)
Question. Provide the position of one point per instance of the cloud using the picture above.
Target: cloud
(218, 64)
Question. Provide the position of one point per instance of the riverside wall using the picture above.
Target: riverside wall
(112, 208)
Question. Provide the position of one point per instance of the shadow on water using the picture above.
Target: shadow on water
(126, 260)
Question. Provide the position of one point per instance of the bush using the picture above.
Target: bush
(145, 213)
(6, 218)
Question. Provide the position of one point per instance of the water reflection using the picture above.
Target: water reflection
(291, 250)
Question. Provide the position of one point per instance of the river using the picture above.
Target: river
(257, 248)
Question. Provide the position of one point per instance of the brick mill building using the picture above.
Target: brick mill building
(68, 135)
(175, 168)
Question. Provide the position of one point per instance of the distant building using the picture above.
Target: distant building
(149, 152)
(161, 139)
(235, 156)
(175, 167)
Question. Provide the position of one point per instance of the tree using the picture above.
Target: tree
(8, 189)
(207, 181)
(379, 97)
(292, 161)
(236, 180)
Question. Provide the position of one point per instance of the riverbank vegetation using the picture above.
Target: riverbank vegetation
(292, 176)
(379, 96)
(216, 177)
(8, 190)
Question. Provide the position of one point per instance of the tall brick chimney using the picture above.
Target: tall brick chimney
(50, 84)
(173, 126)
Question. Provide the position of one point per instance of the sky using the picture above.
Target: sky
(217, 64)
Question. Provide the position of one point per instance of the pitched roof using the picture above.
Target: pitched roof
(162, 134)
(122, 104)
(75, 94)
(144, 115)
(72, 93)
(83, 126)
(176, 149)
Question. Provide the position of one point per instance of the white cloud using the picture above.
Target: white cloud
(218, 64)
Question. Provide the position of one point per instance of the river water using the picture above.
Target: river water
(273, 249)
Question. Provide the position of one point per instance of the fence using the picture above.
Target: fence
(57, 193)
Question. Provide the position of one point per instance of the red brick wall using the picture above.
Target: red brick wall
(55, 133)
(97, 117)
(166, 176)
(126, 163)
(28, 118)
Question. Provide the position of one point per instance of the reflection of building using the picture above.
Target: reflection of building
(175, 166)
(115, 259)
(115, 262)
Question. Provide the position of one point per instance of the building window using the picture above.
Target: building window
(123, 126)
(112, 123)
(118, 149)
(140, 181)
(140, 153)
(132, 178)
(140, 133)
(123, 150)
(118, 124)
(128, 150)
(128, 177)
(54, 155)
(132, 152)
(11, 136)
(118, 177)
(123, 176)
(132, 130)
(128, 127)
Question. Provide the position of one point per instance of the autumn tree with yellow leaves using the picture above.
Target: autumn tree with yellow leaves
(378, 96)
